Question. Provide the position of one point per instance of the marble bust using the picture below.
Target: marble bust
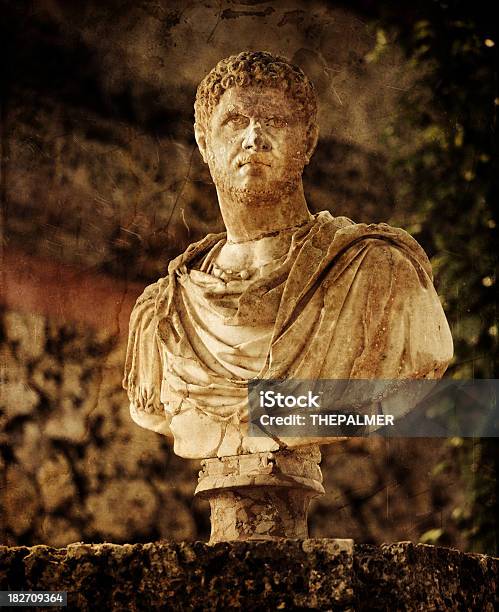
(283, 293)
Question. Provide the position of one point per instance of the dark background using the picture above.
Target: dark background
(102, 184)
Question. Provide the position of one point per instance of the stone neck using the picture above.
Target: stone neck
(251, 219)
(259, 251)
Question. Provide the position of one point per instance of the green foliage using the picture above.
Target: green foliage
(431, 536)
(447, 176)
(444, 152)
(476, 516)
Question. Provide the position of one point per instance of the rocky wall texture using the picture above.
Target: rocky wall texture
(100, 172)
(74, 467)
(100, 167)
(316, 574)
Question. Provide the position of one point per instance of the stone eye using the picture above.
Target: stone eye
(277, 122)
(238, 121)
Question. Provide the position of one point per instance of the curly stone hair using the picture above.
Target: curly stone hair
(255, 68)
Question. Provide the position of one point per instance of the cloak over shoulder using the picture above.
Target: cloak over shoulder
(348, 301)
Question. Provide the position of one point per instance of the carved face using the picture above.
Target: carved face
(256, 142)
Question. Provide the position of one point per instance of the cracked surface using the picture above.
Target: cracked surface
(312, 574)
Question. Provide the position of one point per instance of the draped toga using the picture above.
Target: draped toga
(347, 301)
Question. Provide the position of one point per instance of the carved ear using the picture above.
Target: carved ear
(312, 139)
(200, 136)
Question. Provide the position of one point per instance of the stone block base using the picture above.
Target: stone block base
(262, 496)
(256, 575)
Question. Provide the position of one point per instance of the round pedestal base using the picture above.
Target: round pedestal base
(263, 496)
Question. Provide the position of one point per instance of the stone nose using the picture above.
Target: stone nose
(255, 138)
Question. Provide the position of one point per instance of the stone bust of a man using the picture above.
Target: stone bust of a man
(283, 293)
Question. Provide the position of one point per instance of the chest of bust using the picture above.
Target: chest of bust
(252, 254)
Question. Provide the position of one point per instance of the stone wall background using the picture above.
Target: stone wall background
(100, 175)
(101, 169)
(76, 468)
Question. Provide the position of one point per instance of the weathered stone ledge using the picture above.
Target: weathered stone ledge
(316, 574)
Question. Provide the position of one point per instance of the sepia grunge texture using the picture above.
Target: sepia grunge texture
(102, 184)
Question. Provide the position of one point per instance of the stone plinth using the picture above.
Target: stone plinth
(262, 496)
(282, 575)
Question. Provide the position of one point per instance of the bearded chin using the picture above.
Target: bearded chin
(273, 192)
